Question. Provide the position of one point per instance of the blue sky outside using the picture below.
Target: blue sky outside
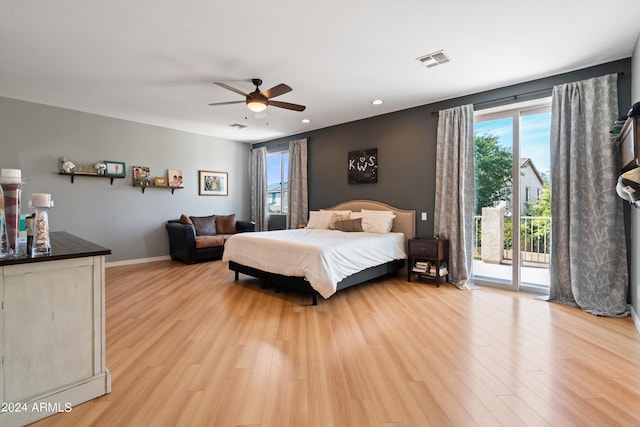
(274, 167)
(534, 140)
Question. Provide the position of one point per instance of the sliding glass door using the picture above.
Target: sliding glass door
(512, 226)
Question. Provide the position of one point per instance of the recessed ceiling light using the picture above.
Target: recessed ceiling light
(377, 101)
(306, 121)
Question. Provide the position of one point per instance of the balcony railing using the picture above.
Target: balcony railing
(535, 239)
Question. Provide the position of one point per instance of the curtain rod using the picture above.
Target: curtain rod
(514, 97)
(275, 145)
(281, 144)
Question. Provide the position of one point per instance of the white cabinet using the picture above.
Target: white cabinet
(52, 342)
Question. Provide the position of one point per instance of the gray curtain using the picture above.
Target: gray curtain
(259, 188)
(297, 194)
(455, 191)
(588, 251)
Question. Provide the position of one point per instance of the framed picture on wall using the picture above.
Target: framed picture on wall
(114, 168)
(141, 175)
(174, 178)
(213, 183)
(363, 166)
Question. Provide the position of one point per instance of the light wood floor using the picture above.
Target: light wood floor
(187, 346)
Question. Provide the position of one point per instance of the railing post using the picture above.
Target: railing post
(535, 239)
(492, 235)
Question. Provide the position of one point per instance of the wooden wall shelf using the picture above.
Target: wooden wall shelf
(90, 175)
(143, 187)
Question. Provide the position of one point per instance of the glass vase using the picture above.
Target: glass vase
(11, 216)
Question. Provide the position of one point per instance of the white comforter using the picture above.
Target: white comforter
(323, 257)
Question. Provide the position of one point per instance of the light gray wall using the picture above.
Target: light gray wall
(118, 216)
(635, 213)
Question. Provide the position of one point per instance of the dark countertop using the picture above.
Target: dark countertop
(63, 246)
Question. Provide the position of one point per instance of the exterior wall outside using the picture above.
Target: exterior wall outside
(529, 180)
(492, 235)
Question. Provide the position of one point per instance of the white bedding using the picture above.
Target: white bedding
(323, 257)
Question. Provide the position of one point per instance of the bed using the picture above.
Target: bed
(319, 261)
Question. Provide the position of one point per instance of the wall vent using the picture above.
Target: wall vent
(433, 59)
(237, 126)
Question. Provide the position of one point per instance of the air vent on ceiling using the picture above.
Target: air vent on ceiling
(237, 126)
(433, 59)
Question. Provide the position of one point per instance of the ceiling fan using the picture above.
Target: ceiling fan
(258, 101)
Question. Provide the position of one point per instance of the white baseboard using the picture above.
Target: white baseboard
(137, 261)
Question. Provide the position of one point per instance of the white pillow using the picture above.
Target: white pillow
(319, 219)
(335, 218)
(377, 223)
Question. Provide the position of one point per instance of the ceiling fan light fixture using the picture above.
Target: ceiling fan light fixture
(257, 105)
(258, 101)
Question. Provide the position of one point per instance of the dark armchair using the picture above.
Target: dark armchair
(187, 246)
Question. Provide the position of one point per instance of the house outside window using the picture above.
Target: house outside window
(277, 173)
(533, 181)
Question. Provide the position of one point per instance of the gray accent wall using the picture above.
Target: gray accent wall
(118, 216)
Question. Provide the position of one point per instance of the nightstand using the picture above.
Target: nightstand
(428, 259)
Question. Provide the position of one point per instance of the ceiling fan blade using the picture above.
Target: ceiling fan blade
(232, 89)
(278, 90)
(227, 103)
(287, 105)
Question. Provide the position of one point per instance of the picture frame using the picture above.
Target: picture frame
(141, 175)
(160, 181)
(213, 183)
(363, 166)
(114, 168)
(174, 178)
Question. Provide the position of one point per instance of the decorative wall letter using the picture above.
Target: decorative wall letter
(363, 166)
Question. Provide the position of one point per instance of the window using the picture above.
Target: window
(277, 173)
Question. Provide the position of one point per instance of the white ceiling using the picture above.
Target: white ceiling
(155, 61)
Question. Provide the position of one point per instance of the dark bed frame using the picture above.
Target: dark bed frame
(301, 284)
(405, 222)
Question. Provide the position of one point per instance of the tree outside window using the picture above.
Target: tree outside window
(493, 171)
